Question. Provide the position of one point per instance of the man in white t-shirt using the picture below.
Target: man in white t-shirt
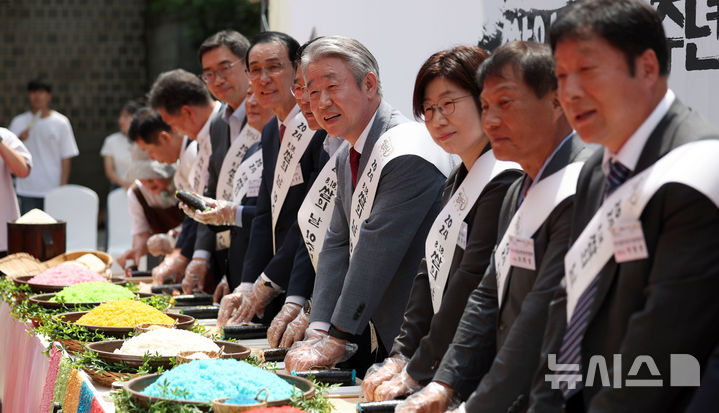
(48, 136)
(15, 159)
(115, 149)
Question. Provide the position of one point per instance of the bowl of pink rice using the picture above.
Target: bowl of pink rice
(60, 276)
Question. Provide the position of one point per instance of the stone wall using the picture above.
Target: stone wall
(94, 54)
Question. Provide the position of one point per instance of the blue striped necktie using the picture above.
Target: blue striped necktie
(570, 352)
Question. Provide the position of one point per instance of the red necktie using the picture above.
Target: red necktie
(354, 165)
(282, 132)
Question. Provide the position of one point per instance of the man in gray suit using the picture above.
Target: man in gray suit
(626, 307)
(222, 57)
(495, 350)
(374, 282)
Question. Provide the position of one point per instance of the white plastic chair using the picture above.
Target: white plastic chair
(77, 206)
(119, 237)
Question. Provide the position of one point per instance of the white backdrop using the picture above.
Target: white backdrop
(403, 33)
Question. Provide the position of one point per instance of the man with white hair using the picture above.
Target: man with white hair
(388, 194)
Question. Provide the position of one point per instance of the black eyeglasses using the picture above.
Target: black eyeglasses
(208, 76)
(445, 106)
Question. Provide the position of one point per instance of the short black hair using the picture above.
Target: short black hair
(631, 26)
(301, 49)
(267, 37)
(146, 125)
(233, 40)
(131, 106)
(39, 84)
(177, 88)
(531, 60)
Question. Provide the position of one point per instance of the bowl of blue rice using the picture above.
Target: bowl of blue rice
(200, 382)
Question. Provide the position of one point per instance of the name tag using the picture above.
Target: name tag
(253, 188)
(521, 252)
(297, 177)
(629, 244)
(462, 239)
(222, 240)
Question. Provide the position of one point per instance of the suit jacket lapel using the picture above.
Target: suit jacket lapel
(660, 142)
(380, 126)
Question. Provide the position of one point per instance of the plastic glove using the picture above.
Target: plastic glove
(171, 268)
(222, 289)
(400, 385)
(434, 398)
(460, 409)
(324, 353)
(160, 244)
(131, 254)
(254, 302)
(221, 212)
(295, 330)
(288, 313)
(229, 304)
(195, 275)
(379, 373)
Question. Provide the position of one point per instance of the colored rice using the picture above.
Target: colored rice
(167, 342)
(123, 313)
(206, 380)
(67, 273)
(92, 292)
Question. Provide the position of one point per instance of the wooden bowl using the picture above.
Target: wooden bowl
(72, 256)
(44, 288)
(181, 321)
(138, 384)
(43, 300)
(106, 351)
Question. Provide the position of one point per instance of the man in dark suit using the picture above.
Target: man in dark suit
(186, 105)
(613, 63)
(374, 281)
(222, 57)
(496, 347)
(276, 260)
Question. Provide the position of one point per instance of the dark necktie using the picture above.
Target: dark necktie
(282, 132)
(354, 165)
(618, 173)
(570, 352)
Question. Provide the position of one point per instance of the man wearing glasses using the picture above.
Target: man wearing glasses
(222, 57)
(292, 155)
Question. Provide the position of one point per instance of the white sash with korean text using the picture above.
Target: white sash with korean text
(235, 154)
(287, 169)
(230, 165)
(444, 234)
(200, 170)
(540, 201)
(693, 164)
(248, 178)
(316, 211)
(409, 138)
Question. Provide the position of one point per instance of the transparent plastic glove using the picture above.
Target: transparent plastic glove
(323, 354)
(172, 268)
(460, 409)
(131, 254)
(434, 398)
(379, 373)
(401, 384)
(228, 305)
(288, 313)
(222, 289)
(221, 212)
(160, 244)
(295, 330)
(195, 274)
(254, 302)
